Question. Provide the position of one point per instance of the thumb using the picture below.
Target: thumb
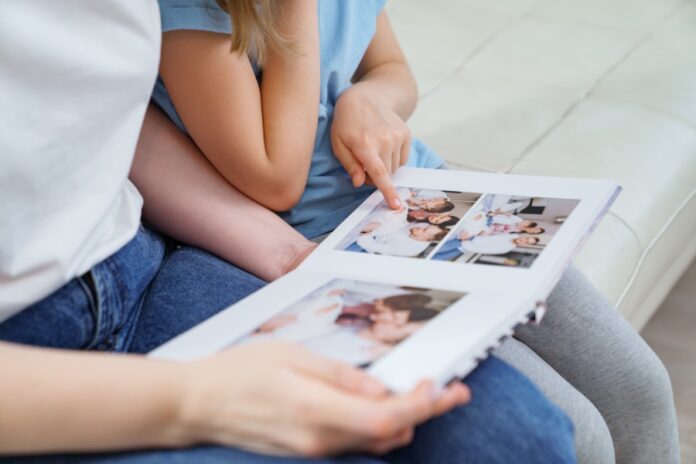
(350, 163)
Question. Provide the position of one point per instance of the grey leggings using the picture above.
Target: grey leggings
(594, 365)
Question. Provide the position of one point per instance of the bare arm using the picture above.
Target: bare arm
(288, 401)
(55, 400)
(260, 138)
(187, 199)
(385, 74)
(369, 134)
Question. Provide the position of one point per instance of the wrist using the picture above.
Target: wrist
(293, 255)
(187, 425)
(390, 85)
(361, 92)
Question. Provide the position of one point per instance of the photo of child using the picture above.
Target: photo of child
(412, 231)
(355, 322)
(506, 230)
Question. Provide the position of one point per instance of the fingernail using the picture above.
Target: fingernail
(436, 392)
(397, 203)
(466, 394)
(463, 393)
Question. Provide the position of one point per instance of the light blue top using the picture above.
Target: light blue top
(346, 29)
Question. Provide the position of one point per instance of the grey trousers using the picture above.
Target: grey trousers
(596, 367)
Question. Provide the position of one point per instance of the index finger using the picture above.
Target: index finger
(381, 177)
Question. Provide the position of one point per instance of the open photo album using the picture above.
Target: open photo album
(425, 291)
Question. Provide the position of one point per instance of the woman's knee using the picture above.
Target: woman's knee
(650, 384)
(593, 441)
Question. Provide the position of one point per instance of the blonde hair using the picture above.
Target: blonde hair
(254, 27)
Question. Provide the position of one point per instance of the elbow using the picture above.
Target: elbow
(415, 91)
(283, 197)
(274, 190)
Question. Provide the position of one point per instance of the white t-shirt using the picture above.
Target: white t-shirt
(382, 214)
(490, 244)
(504, 204)
(389, 220)
(427, 194)
(511, 220)
(397, 242)
(75, 82)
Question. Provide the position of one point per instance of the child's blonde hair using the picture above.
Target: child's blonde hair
(254, 27)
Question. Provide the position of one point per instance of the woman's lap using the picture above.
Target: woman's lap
(507, 419)
(191, 286)
(97, 311)
(197, 455)
(505, 402)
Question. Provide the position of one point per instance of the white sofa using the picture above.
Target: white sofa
(583, 88)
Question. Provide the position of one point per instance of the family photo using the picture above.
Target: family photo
(355, 322)
(504, 230)
(426, 217)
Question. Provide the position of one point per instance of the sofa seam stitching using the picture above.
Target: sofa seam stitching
(652, 244)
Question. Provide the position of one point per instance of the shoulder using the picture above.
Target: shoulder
(199, 15)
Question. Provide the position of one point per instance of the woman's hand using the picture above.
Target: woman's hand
(370, 140)
(280, 398)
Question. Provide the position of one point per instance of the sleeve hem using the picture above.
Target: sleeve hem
(196, 18)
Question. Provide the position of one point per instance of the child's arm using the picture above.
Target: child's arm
(259, 137)
(369, 133)
(188, 200)
(385, 74)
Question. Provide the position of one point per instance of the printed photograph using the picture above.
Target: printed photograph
(412, 231)
(504, 230)
(355, 322)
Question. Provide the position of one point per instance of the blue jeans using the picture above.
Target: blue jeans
(149, 292)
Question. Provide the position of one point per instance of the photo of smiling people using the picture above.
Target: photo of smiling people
(355, 322)
(504, 230)
(412, 231)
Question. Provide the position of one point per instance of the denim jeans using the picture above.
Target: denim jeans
(149, 292)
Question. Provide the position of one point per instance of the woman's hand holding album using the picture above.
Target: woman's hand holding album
(290, 401)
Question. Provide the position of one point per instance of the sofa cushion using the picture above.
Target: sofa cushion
(599, 88)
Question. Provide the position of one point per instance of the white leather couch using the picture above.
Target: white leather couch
(582, 88)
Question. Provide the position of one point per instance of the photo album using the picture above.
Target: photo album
(424, 291)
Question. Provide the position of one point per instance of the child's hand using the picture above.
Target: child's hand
(370, 139)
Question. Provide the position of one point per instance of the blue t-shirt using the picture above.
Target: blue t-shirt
(345, 30)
